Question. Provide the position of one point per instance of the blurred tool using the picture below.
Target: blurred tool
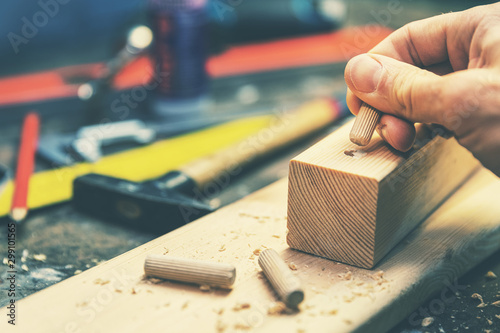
(93, 92)
(178, 197)
(240, 21)
(364, 125)
(180, 52)
(88, 143)
(25, 166)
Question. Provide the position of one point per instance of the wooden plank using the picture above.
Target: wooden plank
(115, 297)
(354, 204)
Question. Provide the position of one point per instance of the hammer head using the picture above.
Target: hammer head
(145, 206)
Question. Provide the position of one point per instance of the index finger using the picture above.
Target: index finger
(432, 41)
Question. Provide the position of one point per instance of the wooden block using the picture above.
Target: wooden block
(354, 205)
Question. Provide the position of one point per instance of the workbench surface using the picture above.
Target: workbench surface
(58, 242)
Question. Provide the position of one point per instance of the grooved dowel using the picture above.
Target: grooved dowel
(190, 270)
(364, 125)
(281, 278)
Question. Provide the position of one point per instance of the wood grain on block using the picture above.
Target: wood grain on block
(364, 125)
(353, 205)
(190, 271)
(116, 297)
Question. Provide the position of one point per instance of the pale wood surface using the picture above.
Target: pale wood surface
(364, 125)
(115, 297)
(354, 204)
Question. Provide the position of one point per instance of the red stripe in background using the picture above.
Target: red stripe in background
(321, 49)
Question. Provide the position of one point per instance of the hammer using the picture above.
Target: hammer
(178, 197)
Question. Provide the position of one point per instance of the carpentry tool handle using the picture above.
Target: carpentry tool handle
(283, 130)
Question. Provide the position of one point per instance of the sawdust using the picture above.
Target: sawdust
(101, 282)
(241, 326)
(241, 306)
(480, 298)
(427, 321)
(40, 257)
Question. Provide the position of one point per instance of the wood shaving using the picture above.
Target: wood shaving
(241, 326)
(496, 303)
(276, 236)
(219, 311)
(101, 282)
(40, 257)
(490, 275)
(257, 251)
(377, 275)
(427, 321)
(222, 248)
(241, 306)
(292, 266)
(276, 309)
(480, 298)
(330, 313)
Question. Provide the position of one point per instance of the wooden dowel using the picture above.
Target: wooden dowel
(190, 270)
(364, 125)
(284, 282)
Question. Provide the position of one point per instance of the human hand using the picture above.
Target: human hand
(443, 70)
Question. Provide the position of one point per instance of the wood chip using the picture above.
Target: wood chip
(241, 326)
(498, 316)
(222, 248)
(348, 275)
(427, 321)
(257, 251)
(489, 322)
(101, 282)
(24, 268)
(40, 257)
(292, 266)
(490, 275)
(241, 306)
(496, 303)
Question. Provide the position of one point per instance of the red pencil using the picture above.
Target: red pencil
(25, 166)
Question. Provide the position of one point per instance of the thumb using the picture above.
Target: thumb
(396, 87)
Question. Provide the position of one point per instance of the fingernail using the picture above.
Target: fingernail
(365, 73)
